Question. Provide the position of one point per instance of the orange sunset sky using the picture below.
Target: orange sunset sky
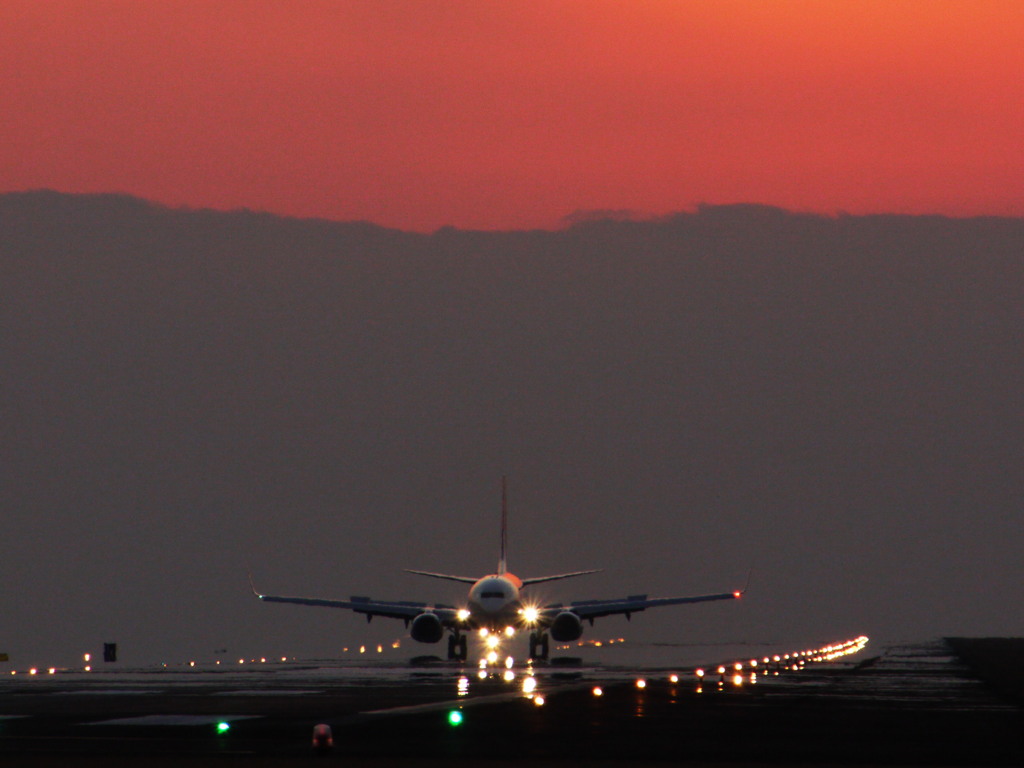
(515, 114)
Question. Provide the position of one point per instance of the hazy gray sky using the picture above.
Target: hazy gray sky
(833, 402)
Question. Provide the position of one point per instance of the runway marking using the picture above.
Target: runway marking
(471, 701)
(269, 692)
(108, 692)
(176, 720)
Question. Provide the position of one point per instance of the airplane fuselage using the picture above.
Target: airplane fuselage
(494, 602)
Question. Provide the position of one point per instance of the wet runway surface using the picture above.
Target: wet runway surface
(908, 704)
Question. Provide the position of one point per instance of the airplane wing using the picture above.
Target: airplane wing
(592, 609)
(399, 609)
(540, 579)
(445, 576)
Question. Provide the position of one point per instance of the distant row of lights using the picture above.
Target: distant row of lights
(795, 661)
(798, 659)
(192, 664)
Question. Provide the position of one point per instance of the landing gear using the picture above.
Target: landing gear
(539, 645)
(457, 648)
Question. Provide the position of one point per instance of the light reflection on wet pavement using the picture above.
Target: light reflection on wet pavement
(926, 674)
(892, 703)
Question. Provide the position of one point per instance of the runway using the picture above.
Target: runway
(908, 704)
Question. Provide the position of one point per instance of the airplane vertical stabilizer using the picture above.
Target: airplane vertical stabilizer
(502, 563)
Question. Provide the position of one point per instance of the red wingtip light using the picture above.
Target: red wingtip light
(737, 595)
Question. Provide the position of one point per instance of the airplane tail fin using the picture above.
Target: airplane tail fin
(502, 562)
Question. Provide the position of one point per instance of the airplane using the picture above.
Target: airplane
(497, 606)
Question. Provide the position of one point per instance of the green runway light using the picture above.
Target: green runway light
(223, 727)
(455, 717)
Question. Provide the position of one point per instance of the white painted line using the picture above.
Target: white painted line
(176, 720)
(108, 692)
(268, 692)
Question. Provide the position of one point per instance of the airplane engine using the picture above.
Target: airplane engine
(566, 626)
(426, 628)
